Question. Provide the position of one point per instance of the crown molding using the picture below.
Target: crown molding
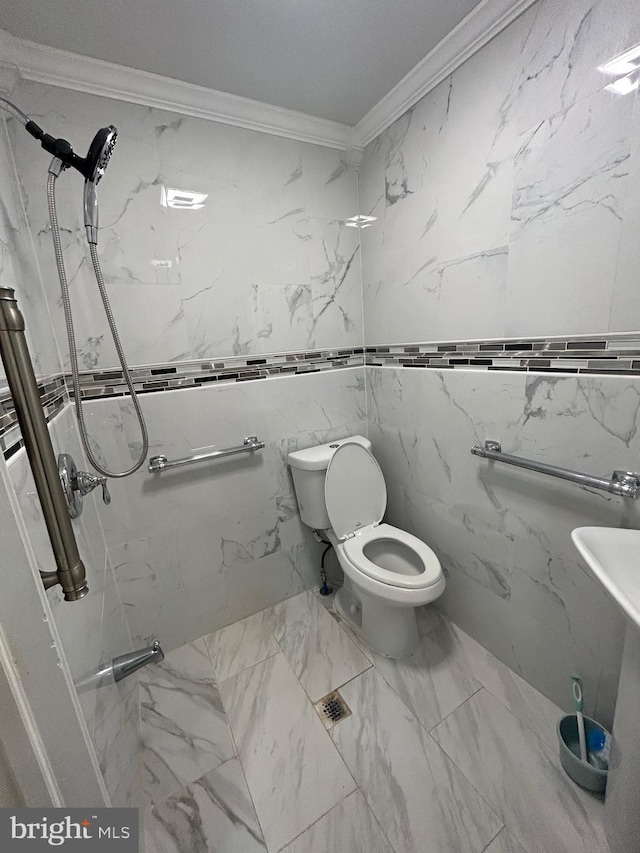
(44, 64)
(472, 33)
(54, 67)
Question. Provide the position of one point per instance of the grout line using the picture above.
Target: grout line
(235, 744)
(329, 613)
(515, 678)
(321, 727)
(457, 708)
(350, 794)
(463, 774)
(378, 822)
(484, 849)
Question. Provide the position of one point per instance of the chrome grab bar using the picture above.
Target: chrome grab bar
(626, 484)
(161, 463)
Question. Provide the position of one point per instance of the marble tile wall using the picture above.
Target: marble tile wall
(266, 265)
(514, 579)
(93, 630)
(19, 268)
(197, 548)
(508, 199)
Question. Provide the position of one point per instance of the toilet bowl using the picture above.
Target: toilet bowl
(388, 572)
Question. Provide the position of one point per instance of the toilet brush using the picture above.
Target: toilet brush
(578, 704)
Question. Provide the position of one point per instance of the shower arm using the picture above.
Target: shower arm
(60, 148)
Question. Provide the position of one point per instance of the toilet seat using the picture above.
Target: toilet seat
(356, 499)
(428, 567)
(355, 493)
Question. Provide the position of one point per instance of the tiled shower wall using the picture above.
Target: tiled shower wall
(197, 548)
(267, 265)
(19, 268)
(95, 629)
(508, 205)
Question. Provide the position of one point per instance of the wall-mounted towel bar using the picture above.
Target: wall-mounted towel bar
(623, 483)
(161, 463)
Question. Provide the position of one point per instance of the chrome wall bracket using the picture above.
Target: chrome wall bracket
(76, 484)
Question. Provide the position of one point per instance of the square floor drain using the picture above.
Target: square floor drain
(331, 709)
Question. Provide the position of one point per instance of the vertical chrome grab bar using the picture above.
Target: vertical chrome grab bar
(70, 573)
(625, 484)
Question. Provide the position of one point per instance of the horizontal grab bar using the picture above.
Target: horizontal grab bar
(161, 463)
(623, 483)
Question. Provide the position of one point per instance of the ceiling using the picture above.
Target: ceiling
(334, 59)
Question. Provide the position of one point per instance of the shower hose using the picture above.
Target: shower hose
(73, 355)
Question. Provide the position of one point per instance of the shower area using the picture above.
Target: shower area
(273, 291)
(261, 281)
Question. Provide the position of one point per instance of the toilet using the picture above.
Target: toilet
(388, 572)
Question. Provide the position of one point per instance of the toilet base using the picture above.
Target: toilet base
(391, 631)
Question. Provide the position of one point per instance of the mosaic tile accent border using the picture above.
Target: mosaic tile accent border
(607, 354)
(192, 374)
(611, 354)
(53, 394)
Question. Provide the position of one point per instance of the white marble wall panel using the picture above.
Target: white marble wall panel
(519, 155)
(8, 214)
(571, 177)
(515, 581)
(197, 548)
(265, 265)
(563, 46)
(19, 267)
(625, 306)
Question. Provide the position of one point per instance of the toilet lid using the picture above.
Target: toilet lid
(354, 489)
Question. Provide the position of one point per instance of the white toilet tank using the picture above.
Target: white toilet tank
(309, 468)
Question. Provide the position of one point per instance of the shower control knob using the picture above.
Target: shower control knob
(106, 497)
(86, 483)
(77, 484)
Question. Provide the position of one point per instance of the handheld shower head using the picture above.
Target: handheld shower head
(95, 164)
(99, 153)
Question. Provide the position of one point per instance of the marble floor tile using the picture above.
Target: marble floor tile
(242, 644)
(184, 728)
(320, 653)
(521, 779)
(504, 842)
(419, 797)
(533, 709)
(213, 814)
(429, 682)
(349, 826)
(294, 773)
